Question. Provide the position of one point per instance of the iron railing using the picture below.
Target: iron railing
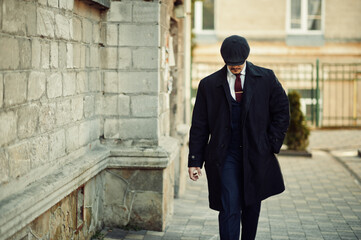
(330, 92)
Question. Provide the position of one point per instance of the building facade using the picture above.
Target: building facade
(314, 46)
(93, 115)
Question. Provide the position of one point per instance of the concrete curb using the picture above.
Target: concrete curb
(346, 166)
(294, 153)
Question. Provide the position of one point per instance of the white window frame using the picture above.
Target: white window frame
(198, 19)
(304, 15)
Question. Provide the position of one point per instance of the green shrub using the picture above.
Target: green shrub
(298, 131)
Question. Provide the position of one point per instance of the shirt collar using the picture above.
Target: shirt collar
(243, 72)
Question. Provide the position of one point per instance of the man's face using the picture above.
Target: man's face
(237, 68)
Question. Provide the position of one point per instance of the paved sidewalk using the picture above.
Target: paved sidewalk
(343, 145)
(322, 199)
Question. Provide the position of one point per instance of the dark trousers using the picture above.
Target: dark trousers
(234, 212)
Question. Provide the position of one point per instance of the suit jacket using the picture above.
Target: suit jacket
(264, 122)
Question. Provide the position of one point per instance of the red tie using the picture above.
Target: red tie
(238, 88)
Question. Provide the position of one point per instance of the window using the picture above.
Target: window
(305, 16)
(203, 15)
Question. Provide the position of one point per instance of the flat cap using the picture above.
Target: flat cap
(234, 50)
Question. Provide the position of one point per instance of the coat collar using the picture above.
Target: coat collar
(249, 87)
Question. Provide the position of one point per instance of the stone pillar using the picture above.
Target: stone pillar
(135, 107)
(130, 59)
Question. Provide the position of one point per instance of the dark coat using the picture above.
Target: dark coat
(264, 121)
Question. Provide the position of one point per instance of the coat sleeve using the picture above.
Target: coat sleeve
(199, 132)
(279, 115)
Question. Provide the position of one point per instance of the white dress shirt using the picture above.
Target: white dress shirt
(231, 78)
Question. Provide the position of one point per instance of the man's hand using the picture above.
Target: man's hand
(194, 173)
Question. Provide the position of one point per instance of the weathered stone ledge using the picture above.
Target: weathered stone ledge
(20, 208)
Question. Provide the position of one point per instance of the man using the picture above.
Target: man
(239, 122)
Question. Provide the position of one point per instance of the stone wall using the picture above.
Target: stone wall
(76, 82)
(64, 220)
(50, 77)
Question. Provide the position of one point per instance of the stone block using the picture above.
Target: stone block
(81, 82)
(13, 17)
(69, 55)
(144, 106)
(111, 128)
(99, 104)
(115, 195)
(15, 86)
(136, 128)
(35, 53)
(77, 55)
(120, 12)
(84, 133)
(45, 55)
(57, 145)
(83, 56)
(108, 57)
(1, 13)
(54, 55)
(77, 30)
(9, 47)
(139, 35)
(77, 108)
(112, 34)
(8, 130)
(124, 58)
(19, 159)
(45, 22)
(123, 105)
(62, 55)
(146, 58)
(94, 57)
(71, 33)
(87, 56)
(69, 84)
(39, 151)
(72, 138)
(89, 106)
(54, 85)
(63, 4)
(95, 129)
(4, 167)
(36, 85)
(30, 12)
(146, 12)
(95, 82)
(53, 3)
(25, 53)
(47, 117)
(96, 33)
(147, 211)
(87, 30)
(109, 106)
(43, 2)
(63, 112)
(147, 180)
(28, 117)
(138, 82)
(62, 27)
(111, 82)
(1, 90)
(40, 226)
(164, 124)
(70, 5)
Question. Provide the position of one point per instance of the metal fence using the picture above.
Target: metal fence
(330, 93)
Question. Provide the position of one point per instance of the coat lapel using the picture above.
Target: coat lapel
(249, 89)
(224, 83)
